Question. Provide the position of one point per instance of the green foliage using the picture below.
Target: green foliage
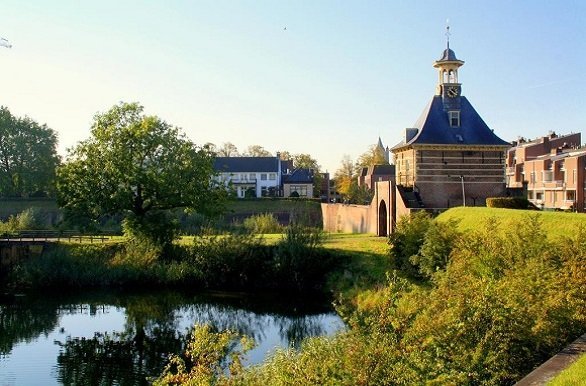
(157, 227)
(232, 261)
(209, 354)
(299, 261)
(434, 253)
(262, 223)
(29, 156)
(29, 219)
(407, 239)
(509, 203)
(138, 164)
(360, 195)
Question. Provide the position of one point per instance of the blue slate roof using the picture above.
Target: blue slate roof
(299, 176)
(448, 55)
(248, 164)
(433, 127)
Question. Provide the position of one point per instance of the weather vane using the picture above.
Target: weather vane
(448, 31)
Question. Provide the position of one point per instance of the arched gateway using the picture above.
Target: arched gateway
(382, 219)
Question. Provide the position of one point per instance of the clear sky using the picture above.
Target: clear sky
(320, 77)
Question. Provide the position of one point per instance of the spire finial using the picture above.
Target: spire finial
(448, 32)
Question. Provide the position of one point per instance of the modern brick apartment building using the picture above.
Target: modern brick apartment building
(550, 170)
(450, 157)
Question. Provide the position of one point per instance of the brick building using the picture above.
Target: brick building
(550, 171)
(450, 157)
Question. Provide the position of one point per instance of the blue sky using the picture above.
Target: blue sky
(341, 73)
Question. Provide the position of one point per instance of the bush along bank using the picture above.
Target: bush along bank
(227, 262)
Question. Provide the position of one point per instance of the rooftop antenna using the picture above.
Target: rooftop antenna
(448, 32)
(5, 43)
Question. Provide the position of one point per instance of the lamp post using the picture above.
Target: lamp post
(463, 191)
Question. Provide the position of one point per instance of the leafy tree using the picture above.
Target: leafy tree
(286, 155)
(306, 161)
(257, 151)
(28, 156)
(373, 156)
(344, 175)
(359, 194)
(138, 166)
(228, 149)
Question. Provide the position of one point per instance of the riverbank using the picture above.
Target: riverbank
(295, 262)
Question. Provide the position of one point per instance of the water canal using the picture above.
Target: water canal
(123, 338)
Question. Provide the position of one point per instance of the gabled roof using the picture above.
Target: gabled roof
(247, 164)
(299, 176)
(433, 127)
(385, 170)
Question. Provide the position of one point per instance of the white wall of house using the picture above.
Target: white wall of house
(244, 180)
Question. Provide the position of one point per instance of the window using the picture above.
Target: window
(300, 189)
(571, 195)
(252, 176)
(263, 177)
(272, 176)
(547, 176)
(539, 196)
(532, 177)
(454, 118)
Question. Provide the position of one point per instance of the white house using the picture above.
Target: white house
(259, 176)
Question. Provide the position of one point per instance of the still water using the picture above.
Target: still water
(122, 338)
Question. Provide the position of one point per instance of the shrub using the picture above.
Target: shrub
(156, 227)
(407, 239)
(262, 223)
(438, 242)
(509, 203)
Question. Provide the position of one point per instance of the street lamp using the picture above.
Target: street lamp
(463, 191)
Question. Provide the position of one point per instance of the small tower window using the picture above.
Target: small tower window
(451, 77)
(454, 117)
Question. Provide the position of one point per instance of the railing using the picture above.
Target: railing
(49, 235)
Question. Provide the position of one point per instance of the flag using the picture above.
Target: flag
(5, 43)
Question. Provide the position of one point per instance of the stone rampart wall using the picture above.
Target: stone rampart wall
(349, 218)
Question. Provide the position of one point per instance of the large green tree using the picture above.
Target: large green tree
(28, 156)
(257, 151)
(141, 167)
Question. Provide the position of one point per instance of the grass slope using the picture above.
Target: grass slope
(556, 224)
(573, 375)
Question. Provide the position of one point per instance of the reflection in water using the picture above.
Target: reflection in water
(152, 326)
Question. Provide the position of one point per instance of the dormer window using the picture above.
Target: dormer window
(454, 117)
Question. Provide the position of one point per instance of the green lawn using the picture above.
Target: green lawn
(573, 375)
(556, 224)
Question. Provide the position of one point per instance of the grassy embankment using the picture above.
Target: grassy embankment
(573, 375)
(555, 224)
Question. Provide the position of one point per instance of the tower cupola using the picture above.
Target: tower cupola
(448, 65)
